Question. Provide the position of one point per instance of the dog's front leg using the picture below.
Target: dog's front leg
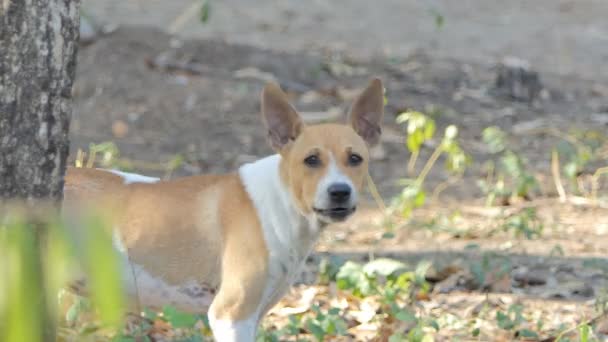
(234, 313)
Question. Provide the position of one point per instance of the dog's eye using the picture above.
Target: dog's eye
(312, 161)
(354, 159)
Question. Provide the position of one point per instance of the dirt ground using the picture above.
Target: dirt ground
(196, 95)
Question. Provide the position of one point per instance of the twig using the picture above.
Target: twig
(184, 16)
(595, 181)
(412, 162)
(92, 157)
(571, 329)
(375, 194)
(580, 183)
(556, 176)
(379, 202)
(444, 185)
(429, 164)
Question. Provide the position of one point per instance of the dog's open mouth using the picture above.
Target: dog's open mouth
(336, 214)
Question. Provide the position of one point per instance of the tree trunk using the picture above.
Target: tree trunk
(38, 45)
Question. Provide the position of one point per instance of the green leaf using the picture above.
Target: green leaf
(205, 11)
(527, 333)
(178, 319)
(388, 235)
(504, 321)
(584, 331)
(419, 199)
(104, 272)
(397, 337)
(429, 129)
(494, 138)
(439, 19)
(315, 329)
(405, 316)
(421, 271)
(571, 170)
(334, 311)
(478, 272)
(384, 267)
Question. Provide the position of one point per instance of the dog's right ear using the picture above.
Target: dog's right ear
(280, 117)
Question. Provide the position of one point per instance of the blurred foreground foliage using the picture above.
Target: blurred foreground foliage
(39, 255)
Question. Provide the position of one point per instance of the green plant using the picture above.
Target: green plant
(293, 328)
(379, 276)
(581, 150)
(421, 129)
(66, 255)
(507, 175)
(329, 268)
(526, 223)
(489, 268)
(512, 320)
(326, 324)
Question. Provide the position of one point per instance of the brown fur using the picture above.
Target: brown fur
(327, 141)
(182, 229)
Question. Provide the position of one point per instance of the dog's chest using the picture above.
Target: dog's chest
(286, 262)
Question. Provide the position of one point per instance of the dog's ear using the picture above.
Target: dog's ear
(280, 117)
(367, 111)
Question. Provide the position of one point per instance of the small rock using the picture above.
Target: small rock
(332, 114)
(528, 126)
(600, 118)
(309, 97)
(517, 81)
(528, 277)
(255, 73)
(580, 288)
(120, 129)
(452, 283)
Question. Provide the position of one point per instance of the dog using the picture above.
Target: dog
(230, 245)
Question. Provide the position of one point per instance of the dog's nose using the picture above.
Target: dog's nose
(339, 192)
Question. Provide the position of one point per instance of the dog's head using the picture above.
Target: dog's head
(324, 166)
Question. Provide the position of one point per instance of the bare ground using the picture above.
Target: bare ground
(197, 96)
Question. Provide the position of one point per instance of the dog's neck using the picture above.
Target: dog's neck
(287, 231)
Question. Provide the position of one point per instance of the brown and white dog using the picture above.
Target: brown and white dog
(231, 245)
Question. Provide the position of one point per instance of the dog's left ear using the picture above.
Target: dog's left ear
(366, 113)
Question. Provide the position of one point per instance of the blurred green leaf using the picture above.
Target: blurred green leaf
(104, 272)
(494, 138)
(205, 11)
(178, 319)
(527, 333)
(22, 314)
(383, 267)
(406, 316)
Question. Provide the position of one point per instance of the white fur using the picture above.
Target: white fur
(333, 175)
(289, 236)
(133, 177)
(241, 331)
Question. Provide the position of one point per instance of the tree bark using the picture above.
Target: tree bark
(38, 45)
